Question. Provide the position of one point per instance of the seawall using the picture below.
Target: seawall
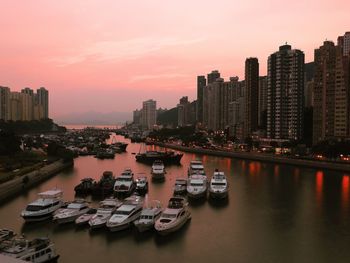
(20, 184)
(341, 167)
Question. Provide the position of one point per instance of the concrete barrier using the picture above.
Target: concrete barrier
(263, 158)
(22, 183)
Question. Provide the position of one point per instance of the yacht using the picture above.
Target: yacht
(72, 212)
(218, 187)
(173, 217)
(180, 186)
(148, 217)
(167, 157)
(104, 212)
(158, 170)
(125, 184)
(44, 207)
(196, 167)
(197, 186)
(142, 185)
(126, 214)
(84, 219)
(85, 186)
(39, 250)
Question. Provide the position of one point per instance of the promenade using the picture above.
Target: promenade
(22, 183)
(263, 157)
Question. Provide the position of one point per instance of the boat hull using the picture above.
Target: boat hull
(218, 195)
(173, 228)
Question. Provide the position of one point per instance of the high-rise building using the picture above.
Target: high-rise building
(251, 96)
(201, 83)
(16, 106)
(331, 92)
(213, 76)
(262, 102)
(149, 114)
(285, 94)
(5, 107)
(344, 43)
(42, 99)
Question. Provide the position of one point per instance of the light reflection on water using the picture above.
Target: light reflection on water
(274, 213)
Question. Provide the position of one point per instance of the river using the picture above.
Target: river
(275, 213)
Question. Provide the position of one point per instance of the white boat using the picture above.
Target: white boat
(104, 212)
(44, 207)
(126, 214)
(39, 250)
(173, 217)
(141, 185)
(197, 186)
(72, 212)
(158, 170)
(218, 187)
(148, 217)
(196, 167)
(125, 183)
(180, 186)
(84, 219)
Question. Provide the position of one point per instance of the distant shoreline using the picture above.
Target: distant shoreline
(263, 158)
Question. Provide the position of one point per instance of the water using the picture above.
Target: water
(275, 213)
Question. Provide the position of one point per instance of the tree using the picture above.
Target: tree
(9, 143)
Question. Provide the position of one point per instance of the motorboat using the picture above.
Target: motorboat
(142, 185)
(104, 212)
(84, 219)
(126, 214)
(72, 212)
(180, 186)
(104, 187)
(44, 207)
(39, 250)
(218, 187)
(125, 183)
(85, 186)
(158, 170)
(148, 216)
(196, 167)
(173, 217)
(167, 157)
(6, 234)
(197, 186)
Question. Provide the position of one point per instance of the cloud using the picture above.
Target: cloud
(123, 50)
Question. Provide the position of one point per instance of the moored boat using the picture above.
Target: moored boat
(167, 157)
(141, 184)
(72, 212)
(218, 187)
(158, 170)
(85, 186)
(180, 187)
(104, 186)
(44, 207)
(104, 212)
(196, 167)
(173, 217)
(84, 219)
(197, 186)
(125, 183)
(148, 216)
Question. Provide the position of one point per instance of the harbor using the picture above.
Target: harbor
(273, 213)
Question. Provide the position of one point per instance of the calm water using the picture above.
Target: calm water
(275, 213)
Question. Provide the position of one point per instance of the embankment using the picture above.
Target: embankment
(20, 184)
(336, 166)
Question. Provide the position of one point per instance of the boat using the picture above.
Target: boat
(197, 186)
(105, 154)
(104, 212)
(39, 250)
(121, 145)
(180, 186)
(44, 207)
(126, 214)
(196, 167)
(158, 170)
(167, 157)
(84, 219)
(85, 186)
(104, 186)
(141, 185)
(72, 212)
(173, 217)
(148, 216)
(125, 183)
(218, 187)
(6, 234)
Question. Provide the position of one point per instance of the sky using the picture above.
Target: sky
(110, 55)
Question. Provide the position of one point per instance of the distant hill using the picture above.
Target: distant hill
(168, 117)
(95, 118)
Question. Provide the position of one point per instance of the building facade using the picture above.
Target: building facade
(285, 94)
(201, 83)
(149, 114)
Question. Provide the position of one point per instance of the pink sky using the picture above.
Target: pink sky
(111, 55)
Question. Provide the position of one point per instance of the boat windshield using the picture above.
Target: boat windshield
(34, 208)
(146, 217)
(123, 179)
(121, 212)
(196, 184)
(218, 184)
(169, 215)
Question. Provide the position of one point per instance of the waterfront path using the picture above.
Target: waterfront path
(21, 183)
(263, 157)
